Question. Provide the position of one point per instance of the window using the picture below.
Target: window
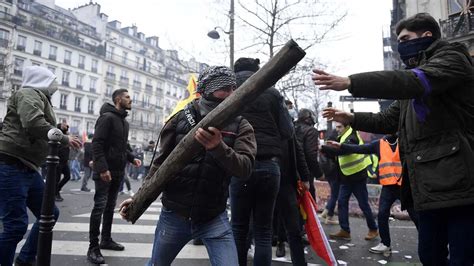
(52, 69)
(21, 43)
(110, 72)
(109, 90)
(4, 38)
(110, 52)
(121, 40)
(138, 62)
(53, 50)
(456, 6)
(124, 77)
(82, 61)
(93, 85)
(90, 108)
(90, 126)
(65, 80)
(76, 124)
(135, 97)
(18, 67)
(146, 100)
(124, 57)
(67, 57)
(77, 104)
(38, 48)
(94, 65)
(79, 81)
(63, 102)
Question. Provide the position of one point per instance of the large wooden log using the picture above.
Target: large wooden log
(266, 77)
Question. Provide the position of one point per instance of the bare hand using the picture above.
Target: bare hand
(333, 114)
(91, 164)
(333, 144)
(105, 176)
(330, 82)
(209, 139)
(137, 162)
(74, 142)
(123, 208)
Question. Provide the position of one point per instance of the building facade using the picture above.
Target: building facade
(91, 57)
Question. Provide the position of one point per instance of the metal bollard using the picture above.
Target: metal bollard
(46, 222)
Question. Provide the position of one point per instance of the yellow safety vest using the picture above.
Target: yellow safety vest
(353, 163)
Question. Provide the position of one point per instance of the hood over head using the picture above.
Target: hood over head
(41, 78)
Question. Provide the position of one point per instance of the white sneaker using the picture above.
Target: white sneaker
(331, 220)
(130, 192)
(381, 248)
(324, 214)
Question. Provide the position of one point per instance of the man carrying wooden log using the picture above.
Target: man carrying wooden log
(194, 202)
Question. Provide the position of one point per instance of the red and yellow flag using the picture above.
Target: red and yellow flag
(192, 94)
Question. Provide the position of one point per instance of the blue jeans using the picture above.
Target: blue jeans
(256, 196)
(174, 231)
(388, 196)
(359, 189)
(20, 188)
(334, 184)
(75, 169)
(439, 228)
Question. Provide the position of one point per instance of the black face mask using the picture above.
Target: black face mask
(409, 50)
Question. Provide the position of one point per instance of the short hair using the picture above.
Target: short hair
(288, 102)
(118, 93)
(419, 23)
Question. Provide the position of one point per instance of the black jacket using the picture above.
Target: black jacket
(87, 153)
(437, 154)
(269, 118)
(109, 145)
(308, 136)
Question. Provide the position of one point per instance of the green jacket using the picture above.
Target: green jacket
(25, 127)
(437, 152)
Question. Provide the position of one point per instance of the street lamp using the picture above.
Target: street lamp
(215, 35)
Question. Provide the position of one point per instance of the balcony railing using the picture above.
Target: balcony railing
(52, 57)
(81, 65)
(63, 106)
(3, 43)
(90, 111)
(137, 84)
(110, 76)
(94, 69)
(93, 90)
(148, 87)
(65, 83)
(37, 52)
(79, 87)
(124, 80)
(17, 72)
(20, 47)
(67, 61)
(77, 109)
(448, 26)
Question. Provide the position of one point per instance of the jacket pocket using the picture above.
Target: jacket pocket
(442, 168)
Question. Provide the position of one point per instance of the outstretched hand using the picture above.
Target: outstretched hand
(333, 144)
(333, 114)
(329, 81)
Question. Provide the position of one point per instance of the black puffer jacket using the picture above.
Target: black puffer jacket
(109, 145)
(437, 154)
(269, 119)
(308, 137)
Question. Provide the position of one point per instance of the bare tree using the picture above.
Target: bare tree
(273, 22)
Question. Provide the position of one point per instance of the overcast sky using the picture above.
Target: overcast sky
(355, 46)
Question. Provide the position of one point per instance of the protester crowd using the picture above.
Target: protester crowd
(255, 162)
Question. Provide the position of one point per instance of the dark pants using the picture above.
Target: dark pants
(256, 196)
(288, 213)
(388, 196)
(20, 188)
(104, 203)
(334, 185)
(439, 228)
(63, 168)
(359, 189)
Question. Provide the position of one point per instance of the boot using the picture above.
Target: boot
(280, 250)
(324, 214)
(331, 220)
(94, 256)
(372, 234)
(110, 244)
(342, 234)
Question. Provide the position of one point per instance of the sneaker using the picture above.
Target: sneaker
(111, 245)
(381, 248)
(58, 198)
(324, 214)
(372, 234)
(18, 262)
(280, 250)
(94, 256)
(85, 189)
(130, 192)
(331, 220)
(342, 234)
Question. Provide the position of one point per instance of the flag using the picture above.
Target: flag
(316, 236)
(192, 84)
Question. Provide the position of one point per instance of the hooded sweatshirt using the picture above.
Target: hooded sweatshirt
(29, 118)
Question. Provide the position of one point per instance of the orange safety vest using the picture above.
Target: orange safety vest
(390, 167)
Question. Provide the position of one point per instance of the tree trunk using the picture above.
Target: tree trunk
(267, 76)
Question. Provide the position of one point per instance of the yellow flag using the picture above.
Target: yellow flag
(192, 94)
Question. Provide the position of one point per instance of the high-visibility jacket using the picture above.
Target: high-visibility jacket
(372, 170)
(390, 167)
(352, 163)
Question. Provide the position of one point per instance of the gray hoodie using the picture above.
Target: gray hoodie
(29, 118)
